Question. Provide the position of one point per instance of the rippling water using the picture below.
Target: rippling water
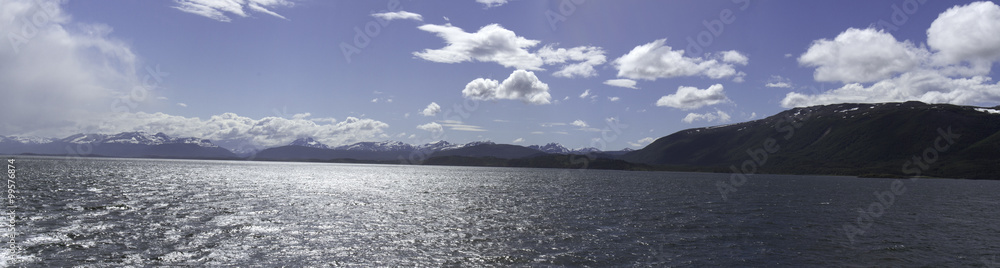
(121, 212)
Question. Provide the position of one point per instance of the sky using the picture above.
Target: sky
(603, 74)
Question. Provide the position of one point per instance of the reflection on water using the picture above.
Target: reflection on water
(115, 212)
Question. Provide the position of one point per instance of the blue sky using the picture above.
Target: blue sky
(264, 72)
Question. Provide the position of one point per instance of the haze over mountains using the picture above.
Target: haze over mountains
(886, 139)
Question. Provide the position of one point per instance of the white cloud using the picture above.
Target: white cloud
(492, 43)
(778, 85)
(579, 123)
(613, 98)
(492, 3)
(656, 60)
(181, 104)
(399, 15)
(518, 140)
(753, 115)
(719, 116)
(861, 56)
(585, 94)
(588, 57)
(231, 130)
(432, 127)
(552, 124)
(967, 33)
(740, 77)
(431, 110)
(779, 82)
(626, 83)
(734, 56)
(642, 142)
(520, 85)
(965, 50)
(537, 132)
(218, 9)
(688, 98)
(926, 86)
(458, 125)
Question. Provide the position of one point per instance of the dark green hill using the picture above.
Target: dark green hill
(848, 139)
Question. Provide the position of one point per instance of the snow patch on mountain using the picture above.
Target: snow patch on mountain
(309, 142)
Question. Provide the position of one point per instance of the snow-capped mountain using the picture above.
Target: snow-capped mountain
(25, 140)
(196, 141)
(85, 138)
(125, 144)
(138, 138)
(377, 146)
(552, 148)
(438, 146)
(309, 142)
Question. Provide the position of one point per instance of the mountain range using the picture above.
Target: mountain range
(126, 144)
(881, 140)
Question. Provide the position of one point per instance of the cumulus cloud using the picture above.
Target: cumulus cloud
(432, 127)
(579, 123)
(492, 43)
(431, 110)
(520, 85)
(613, 98)
(586, 57)
(733, 56)
(858, 55)
(219, 10)
(181, 104)
(655, 60)
(626, 83)
(779, 82)
(518, 140)
(719, 116)
(492, 3)
(687, 98)
(967, 33)
(585, 94)
(964, 50)
(399, 15)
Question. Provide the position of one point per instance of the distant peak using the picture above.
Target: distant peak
(308, 142)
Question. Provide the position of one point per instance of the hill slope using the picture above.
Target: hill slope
(848, 139)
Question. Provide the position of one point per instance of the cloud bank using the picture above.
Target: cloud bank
(963, 46)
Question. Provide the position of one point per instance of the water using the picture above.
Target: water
(136, 212)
